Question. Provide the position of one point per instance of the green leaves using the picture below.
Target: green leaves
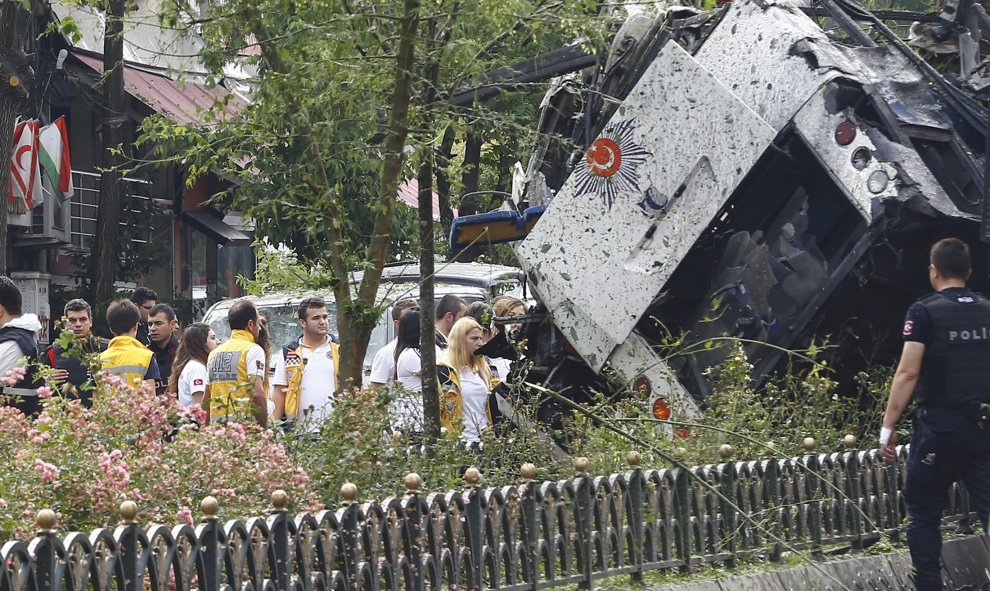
(66, 26)
(324, 70)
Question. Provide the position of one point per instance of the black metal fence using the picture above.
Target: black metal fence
(535, 535)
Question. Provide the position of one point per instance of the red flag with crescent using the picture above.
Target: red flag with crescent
(25, 172)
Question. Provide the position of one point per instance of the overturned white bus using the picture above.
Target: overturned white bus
(743, 172)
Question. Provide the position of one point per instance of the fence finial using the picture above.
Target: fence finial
(45, 520)
(770, 448)
(582, 464)
(210, 507)
(632, 458)
(472, 476)
(348, 492)
(725, 451)
(850, 441)
(413, 481)
(810, 444)
(280, 499)
(680, 454)
(528, 472)
(128, 511)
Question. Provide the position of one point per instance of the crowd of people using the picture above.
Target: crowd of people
(306, 371)
(142, 351)
(946, 345)
(241, 379)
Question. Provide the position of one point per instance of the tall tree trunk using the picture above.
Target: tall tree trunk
(336, 248)
(427, 237)
(8, 113)
(427, 347)
(352, 353)
(116, 144)
(471, 177)
(15, 78)
(353, 326)
(504, 183)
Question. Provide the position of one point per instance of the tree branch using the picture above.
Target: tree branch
(395, 142)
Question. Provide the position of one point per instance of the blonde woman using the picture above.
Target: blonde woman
(465, 382)
(506, 305)
(504, 354)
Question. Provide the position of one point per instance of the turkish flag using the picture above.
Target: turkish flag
(25, 172)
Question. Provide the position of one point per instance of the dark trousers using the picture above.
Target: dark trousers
(946, 447)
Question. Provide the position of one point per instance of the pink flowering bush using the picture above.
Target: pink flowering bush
(135, 445)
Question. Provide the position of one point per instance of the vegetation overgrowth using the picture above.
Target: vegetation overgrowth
(83, 462)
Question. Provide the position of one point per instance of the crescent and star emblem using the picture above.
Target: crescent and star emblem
(611, 163)
(604, 157)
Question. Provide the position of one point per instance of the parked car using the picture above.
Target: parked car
(471, 282)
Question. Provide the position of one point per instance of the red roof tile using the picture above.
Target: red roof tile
(186, 102)
(409, 194)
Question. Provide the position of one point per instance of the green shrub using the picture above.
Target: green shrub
(134, 445)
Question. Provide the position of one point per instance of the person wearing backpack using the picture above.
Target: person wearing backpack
(306, 371)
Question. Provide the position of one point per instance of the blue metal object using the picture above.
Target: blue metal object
(493, 227)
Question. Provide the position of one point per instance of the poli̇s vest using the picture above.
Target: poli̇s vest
(231, 390)
(452, 403)
(956, 366)
(128, 359)
(79, 374)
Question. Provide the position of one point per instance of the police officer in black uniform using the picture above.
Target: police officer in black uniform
(72, 374)
(145, 299)
(947, 349)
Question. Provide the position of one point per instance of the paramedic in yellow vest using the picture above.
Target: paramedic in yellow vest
(306, 371)
(465, 383)
(126, 357)
(235, 371)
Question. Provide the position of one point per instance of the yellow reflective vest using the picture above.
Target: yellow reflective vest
(128, 359)
(231, 389)
(295, 364)
(451, 403)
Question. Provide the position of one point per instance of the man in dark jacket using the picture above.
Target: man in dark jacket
(73, 375)
(145, 299)
(18, 348)
(164, 342)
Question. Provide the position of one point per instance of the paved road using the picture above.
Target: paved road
(964, 559)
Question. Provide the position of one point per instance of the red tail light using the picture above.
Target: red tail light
(845, 133)
(661, 410)
(642, 386)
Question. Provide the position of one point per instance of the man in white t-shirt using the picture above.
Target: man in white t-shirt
(306, 371)
(383, 365)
